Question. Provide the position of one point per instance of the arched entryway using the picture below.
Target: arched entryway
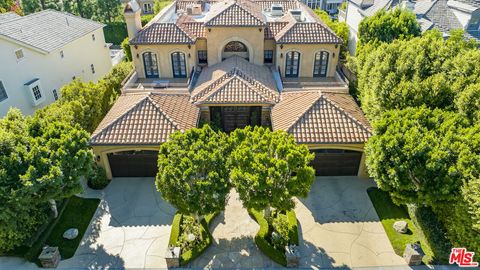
(235, 48)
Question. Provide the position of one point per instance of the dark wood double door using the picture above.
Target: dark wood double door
(230, 118)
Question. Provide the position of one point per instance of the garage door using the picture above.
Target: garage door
(133, 163)
(330, 162)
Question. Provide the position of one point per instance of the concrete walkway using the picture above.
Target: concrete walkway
(340, 228)
(234, 247)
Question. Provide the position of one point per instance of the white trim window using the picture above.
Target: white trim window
(19, 54)
(3, 92)
(35, 89)
(147, 8)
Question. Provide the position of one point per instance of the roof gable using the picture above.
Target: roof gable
(306, 33)
(240, 13)
(163, 33)
(316, 117)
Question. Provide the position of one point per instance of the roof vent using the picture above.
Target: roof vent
(277, 10)
(296, 14)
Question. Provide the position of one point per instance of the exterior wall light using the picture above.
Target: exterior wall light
(333, 55)
(259, 29)
(189, 46)
(191, 56)
(138, 56)
(281, 55)
(281, 46)
(136, 47)
(336, 46)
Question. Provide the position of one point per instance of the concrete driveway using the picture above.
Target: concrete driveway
(340, 228)
(130, 229)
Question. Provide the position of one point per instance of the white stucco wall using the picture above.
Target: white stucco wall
(52, 70)
(353, 21)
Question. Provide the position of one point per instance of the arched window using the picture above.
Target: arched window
(150, 64)
(292, 64)
(320, 64)
(235, 46)
(179, 67)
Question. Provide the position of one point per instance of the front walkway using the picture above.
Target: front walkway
(234, 246)
(340, 228)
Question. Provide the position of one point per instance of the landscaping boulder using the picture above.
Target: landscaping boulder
(400, 226)
(292, 254)
(71, 233)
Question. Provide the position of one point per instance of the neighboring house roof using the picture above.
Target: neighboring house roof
(47, 30)
(377, 6)
(163, 33)
(145, 119)
(241, 13)
(235, 81)
(5, 17)
(306, 33)
(286, 4)
(442, 17)
(314, 117)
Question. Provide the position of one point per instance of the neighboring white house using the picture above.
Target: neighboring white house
(145, 5)
(444, 15)
(41, 52)
(330, 6)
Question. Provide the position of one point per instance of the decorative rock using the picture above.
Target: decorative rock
(413, 254)
(292, 253)
(172, 257)
(50, 257)
(71, 233)
(400, 226)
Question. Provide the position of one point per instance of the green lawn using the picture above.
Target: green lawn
(77, 214)
(388, 212)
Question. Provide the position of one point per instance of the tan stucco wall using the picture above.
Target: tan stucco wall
(164, 58)
(218, 37)
(307, 55)
(362, 170)
(201, 44)
(101, 152)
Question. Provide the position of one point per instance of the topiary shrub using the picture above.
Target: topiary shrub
(126, 49)
(98, 178)
(183, 225)
(284, 225)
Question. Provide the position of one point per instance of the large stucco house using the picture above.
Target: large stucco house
(41, 52)
(232, 64)
(443, 15)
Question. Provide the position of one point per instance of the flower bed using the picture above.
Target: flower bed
(275, 233)
(183, 227)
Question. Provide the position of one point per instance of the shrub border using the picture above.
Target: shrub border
(262, 235)
(189, 255)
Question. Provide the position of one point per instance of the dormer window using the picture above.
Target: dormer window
(19, 54)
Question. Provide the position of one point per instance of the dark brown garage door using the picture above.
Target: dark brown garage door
(331, 162)
(133, 163)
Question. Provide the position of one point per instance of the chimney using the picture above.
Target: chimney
(132, 14)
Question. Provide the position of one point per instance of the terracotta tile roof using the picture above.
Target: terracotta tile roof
(194, 29)
(163, 33)
(273, 28)
(306, 32)
(287, 4)
(319, 117)
(145, 119)
(235, 80)
(235, 13)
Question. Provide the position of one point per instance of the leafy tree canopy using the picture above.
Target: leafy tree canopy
(426, 70)
(40, 160)
(192, 172)
(386, 26)
(269, 168)
(340, 28)
(421, 155)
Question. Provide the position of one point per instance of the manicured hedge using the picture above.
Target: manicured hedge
(434, 232)
(189, 255)
(261, 238)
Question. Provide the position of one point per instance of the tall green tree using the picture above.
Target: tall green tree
(426, 70)
(108, 10)
(192, 172)
(340, 28)
(386, 26)
(269, 168)
(40, 161)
